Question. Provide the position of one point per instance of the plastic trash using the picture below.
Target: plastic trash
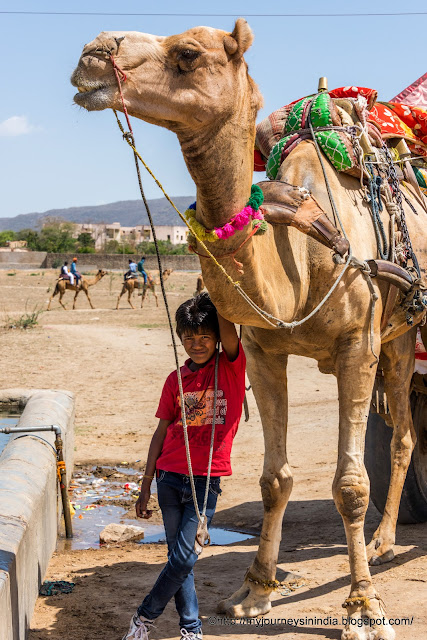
(131, 486)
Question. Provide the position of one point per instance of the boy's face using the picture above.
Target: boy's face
(200, 346)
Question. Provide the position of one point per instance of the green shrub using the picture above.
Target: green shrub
(86, 250)
(6, 236)
(165, 248)
(26, 321)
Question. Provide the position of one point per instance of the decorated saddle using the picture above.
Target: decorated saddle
(332, 115)
(376, 142)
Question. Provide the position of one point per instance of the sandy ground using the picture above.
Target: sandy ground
(115, 362)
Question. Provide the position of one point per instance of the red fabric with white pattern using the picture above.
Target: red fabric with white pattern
(394, 120)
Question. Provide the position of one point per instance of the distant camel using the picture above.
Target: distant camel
(62, 285)
(200, 285)
(135, 283)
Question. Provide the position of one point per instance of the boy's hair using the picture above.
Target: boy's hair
(197, 314)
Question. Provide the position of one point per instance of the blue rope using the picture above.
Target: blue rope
(374, 186)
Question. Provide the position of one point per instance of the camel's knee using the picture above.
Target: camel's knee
(276, 488)
(351, 493)
(402, 445)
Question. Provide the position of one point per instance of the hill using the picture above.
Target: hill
(128, 212)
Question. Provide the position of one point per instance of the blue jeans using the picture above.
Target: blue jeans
(180, 520)
(142, 274)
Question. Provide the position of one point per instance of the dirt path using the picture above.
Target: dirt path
(116, 362)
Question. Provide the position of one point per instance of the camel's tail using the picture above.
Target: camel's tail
(55, 291)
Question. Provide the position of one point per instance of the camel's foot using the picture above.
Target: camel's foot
(249, 601)
(380, 549)
(366, 620)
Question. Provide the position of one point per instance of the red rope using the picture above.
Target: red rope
(118, 72)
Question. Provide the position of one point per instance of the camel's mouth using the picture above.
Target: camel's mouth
(94, 96)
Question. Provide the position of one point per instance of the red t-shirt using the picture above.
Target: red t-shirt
(198, 387)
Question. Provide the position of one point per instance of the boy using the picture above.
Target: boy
(199, 327)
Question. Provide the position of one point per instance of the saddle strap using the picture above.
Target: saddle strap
(294, 206)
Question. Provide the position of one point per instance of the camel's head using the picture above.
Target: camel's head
(102, 273)
(183, 81)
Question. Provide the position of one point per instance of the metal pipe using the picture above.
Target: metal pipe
(52, 427)
(61, 469)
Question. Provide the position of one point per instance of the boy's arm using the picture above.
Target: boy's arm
(229, 338)
(150, 469)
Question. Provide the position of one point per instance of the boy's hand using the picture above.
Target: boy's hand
(142, 502)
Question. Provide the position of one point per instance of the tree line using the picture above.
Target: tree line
(58, 236)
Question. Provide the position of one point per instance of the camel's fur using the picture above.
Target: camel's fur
(62, 286)
(133, 284)
(200, 285)
(211, 103)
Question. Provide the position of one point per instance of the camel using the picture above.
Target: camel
(199, 286)
(135, 283)
(197, 85)
(64, 285)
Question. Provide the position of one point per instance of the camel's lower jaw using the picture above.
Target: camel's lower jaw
(95, 99)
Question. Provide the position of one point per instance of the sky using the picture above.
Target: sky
(55, 155)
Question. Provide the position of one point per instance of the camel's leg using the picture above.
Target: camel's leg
(51, 298)
(267, 374)
(122, 292)
(144, 293)
(155, 295)
(130, 292)
(75, 299)
(397, 362)
(61, 295)
(88, 297)
(351, 486)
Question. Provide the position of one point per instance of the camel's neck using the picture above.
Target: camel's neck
(220, 161)
(96, 279)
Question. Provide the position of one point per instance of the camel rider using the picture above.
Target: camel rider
(65, 274)
(133, 270)
(76, 274)
(141, 270)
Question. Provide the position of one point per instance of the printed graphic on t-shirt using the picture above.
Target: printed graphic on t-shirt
(199, 407)
(199, 413)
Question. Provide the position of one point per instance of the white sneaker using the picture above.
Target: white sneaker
(139, 628)
(190, 635)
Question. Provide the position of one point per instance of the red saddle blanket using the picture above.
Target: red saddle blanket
(393, 120)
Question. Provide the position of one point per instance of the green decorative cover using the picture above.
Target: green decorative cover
(331, 142)
(420, 176)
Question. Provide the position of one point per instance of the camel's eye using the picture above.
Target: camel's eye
(189, 55)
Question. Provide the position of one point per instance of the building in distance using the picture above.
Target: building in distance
(104, 233)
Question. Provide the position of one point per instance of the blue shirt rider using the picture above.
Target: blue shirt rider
(141, 270)
(75, 273)
(133, 270)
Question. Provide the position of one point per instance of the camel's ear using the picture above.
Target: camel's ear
(239, 40)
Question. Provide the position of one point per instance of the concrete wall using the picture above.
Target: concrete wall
(22, 259)
(30, 504)
(92, 261)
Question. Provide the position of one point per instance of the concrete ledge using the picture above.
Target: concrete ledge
(93, 261)
(30, 506)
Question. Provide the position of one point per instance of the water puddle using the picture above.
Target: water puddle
(105, 495)
(6, 420)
